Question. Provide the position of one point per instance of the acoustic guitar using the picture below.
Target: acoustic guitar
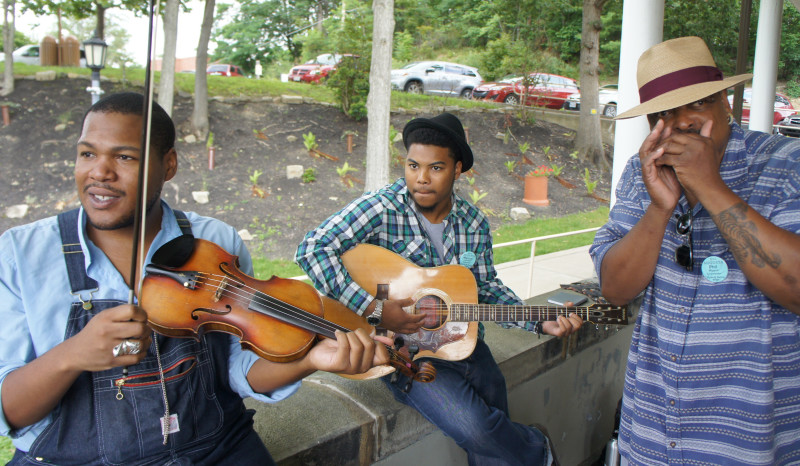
(448, 296)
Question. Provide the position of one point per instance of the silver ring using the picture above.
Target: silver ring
(127, 347)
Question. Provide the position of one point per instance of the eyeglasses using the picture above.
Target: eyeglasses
(683, 254)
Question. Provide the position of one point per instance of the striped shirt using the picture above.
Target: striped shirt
(386, 218)
(713, 373)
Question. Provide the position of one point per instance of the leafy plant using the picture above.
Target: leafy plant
(541, 170)
(309, 175)
(793, 88)
(310, 141)
(510, 166)
(476, 196)
(546, 150)
(254, 176)
(523, 147)
(470, 180)
(574, 155)
(350, 84)
(210, 140)
(394, 154)
(344, 169)
(587, 180)
(557, 169)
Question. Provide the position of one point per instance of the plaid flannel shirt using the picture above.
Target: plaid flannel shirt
(386, 218)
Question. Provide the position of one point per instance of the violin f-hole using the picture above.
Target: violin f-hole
(222, 312)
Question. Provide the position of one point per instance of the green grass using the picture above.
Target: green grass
(547, 226)
(6, 450)
(241, 87)
(264, 268)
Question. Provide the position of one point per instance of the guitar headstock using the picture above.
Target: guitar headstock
(605, 314)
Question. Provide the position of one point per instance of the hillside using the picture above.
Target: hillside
(38, 151)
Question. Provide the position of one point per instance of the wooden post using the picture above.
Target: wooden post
(349, 143)
(6, 117)
(211, 152)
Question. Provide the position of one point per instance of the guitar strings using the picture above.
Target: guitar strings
(505, 312)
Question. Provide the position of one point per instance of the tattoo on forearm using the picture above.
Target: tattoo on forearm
(741, 235)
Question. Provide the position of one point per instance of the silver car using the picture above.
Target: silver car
(436, 78)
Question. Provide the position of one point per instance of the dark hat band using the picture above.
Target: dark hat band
(678, 79)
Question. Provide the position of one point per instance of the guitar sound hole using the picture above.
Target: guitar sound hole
(435, 310)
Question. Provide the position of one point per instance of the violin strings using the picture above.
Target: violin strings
(282, 307)
(285, 309)
(311, 319)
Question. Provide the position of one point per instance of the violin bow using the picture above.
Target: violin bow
(140, 215)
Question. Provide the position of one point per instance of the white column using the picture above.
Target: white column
(642, 28)
(765, 65)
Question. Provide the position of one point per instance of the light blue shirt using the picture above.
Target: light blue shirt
(35, 298)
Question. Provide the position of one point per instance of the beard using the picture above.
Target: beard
(127, 221)
(423, 208)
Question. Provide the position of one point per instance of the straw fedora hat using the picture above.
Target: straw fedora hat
(450, 125)
(675, 73)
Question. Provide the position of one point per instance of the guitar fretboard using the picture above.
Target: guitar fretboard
(514, 313)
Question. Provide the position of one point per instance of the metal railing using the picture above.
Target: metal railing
(514, 243)
(533, 249)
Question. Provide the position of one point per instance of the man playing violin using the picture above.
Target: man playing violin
(83, 380)
(421, 218)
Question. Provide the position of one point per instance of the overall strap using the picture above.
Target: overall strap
(73, 254)
(183, 222)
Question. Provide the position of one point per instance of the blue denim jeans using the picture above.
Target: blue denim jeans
(469, 403)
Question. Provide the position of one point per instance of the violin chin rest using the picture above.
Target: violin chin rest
(175, 253)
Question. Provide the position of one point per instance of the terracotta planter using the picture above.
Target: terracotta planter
(536, 191)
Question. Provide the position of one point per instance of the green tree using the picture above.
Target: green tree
(116, 37)
(261, 29)
(20, 39)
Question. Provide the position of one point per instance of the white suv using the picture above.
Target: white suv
(437, 78)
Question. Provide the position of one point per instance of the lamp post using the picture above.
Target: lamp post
(95, 49)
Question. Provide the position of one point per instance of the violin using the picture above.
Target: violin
(194, 285)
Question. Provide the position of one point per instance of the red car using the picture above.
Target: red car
(318, 69)
(219, 69)
(544, 90)
(783, 107)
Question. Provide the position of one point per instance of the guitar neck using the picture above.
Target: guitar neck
(513, 313)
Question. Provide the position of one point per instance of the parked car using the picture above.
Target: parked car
(316, 69)
(608, 96)
(436, 78)
(28, 54)
(544, 90)
(220, 69)
(782, 106)
(790, 126)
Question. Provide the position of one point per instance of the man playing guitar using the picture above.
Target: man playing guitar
(420, 218)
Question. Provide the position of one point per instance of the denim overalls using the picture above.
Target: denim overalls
(98, 422)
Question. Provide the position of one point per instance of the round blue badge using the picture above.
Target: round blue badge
(715, 269)
(467, 259)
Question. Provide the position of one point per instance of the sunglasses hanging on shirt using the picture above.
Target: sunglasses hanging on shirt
(683, 254)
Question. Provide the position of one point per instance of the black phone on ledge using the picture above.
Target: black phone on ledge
(562, 297)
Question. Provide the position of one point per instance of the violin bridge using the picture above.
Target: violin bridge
(223, 284)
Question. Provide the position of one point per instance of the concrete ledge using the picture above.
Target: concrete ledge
(571, 386)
